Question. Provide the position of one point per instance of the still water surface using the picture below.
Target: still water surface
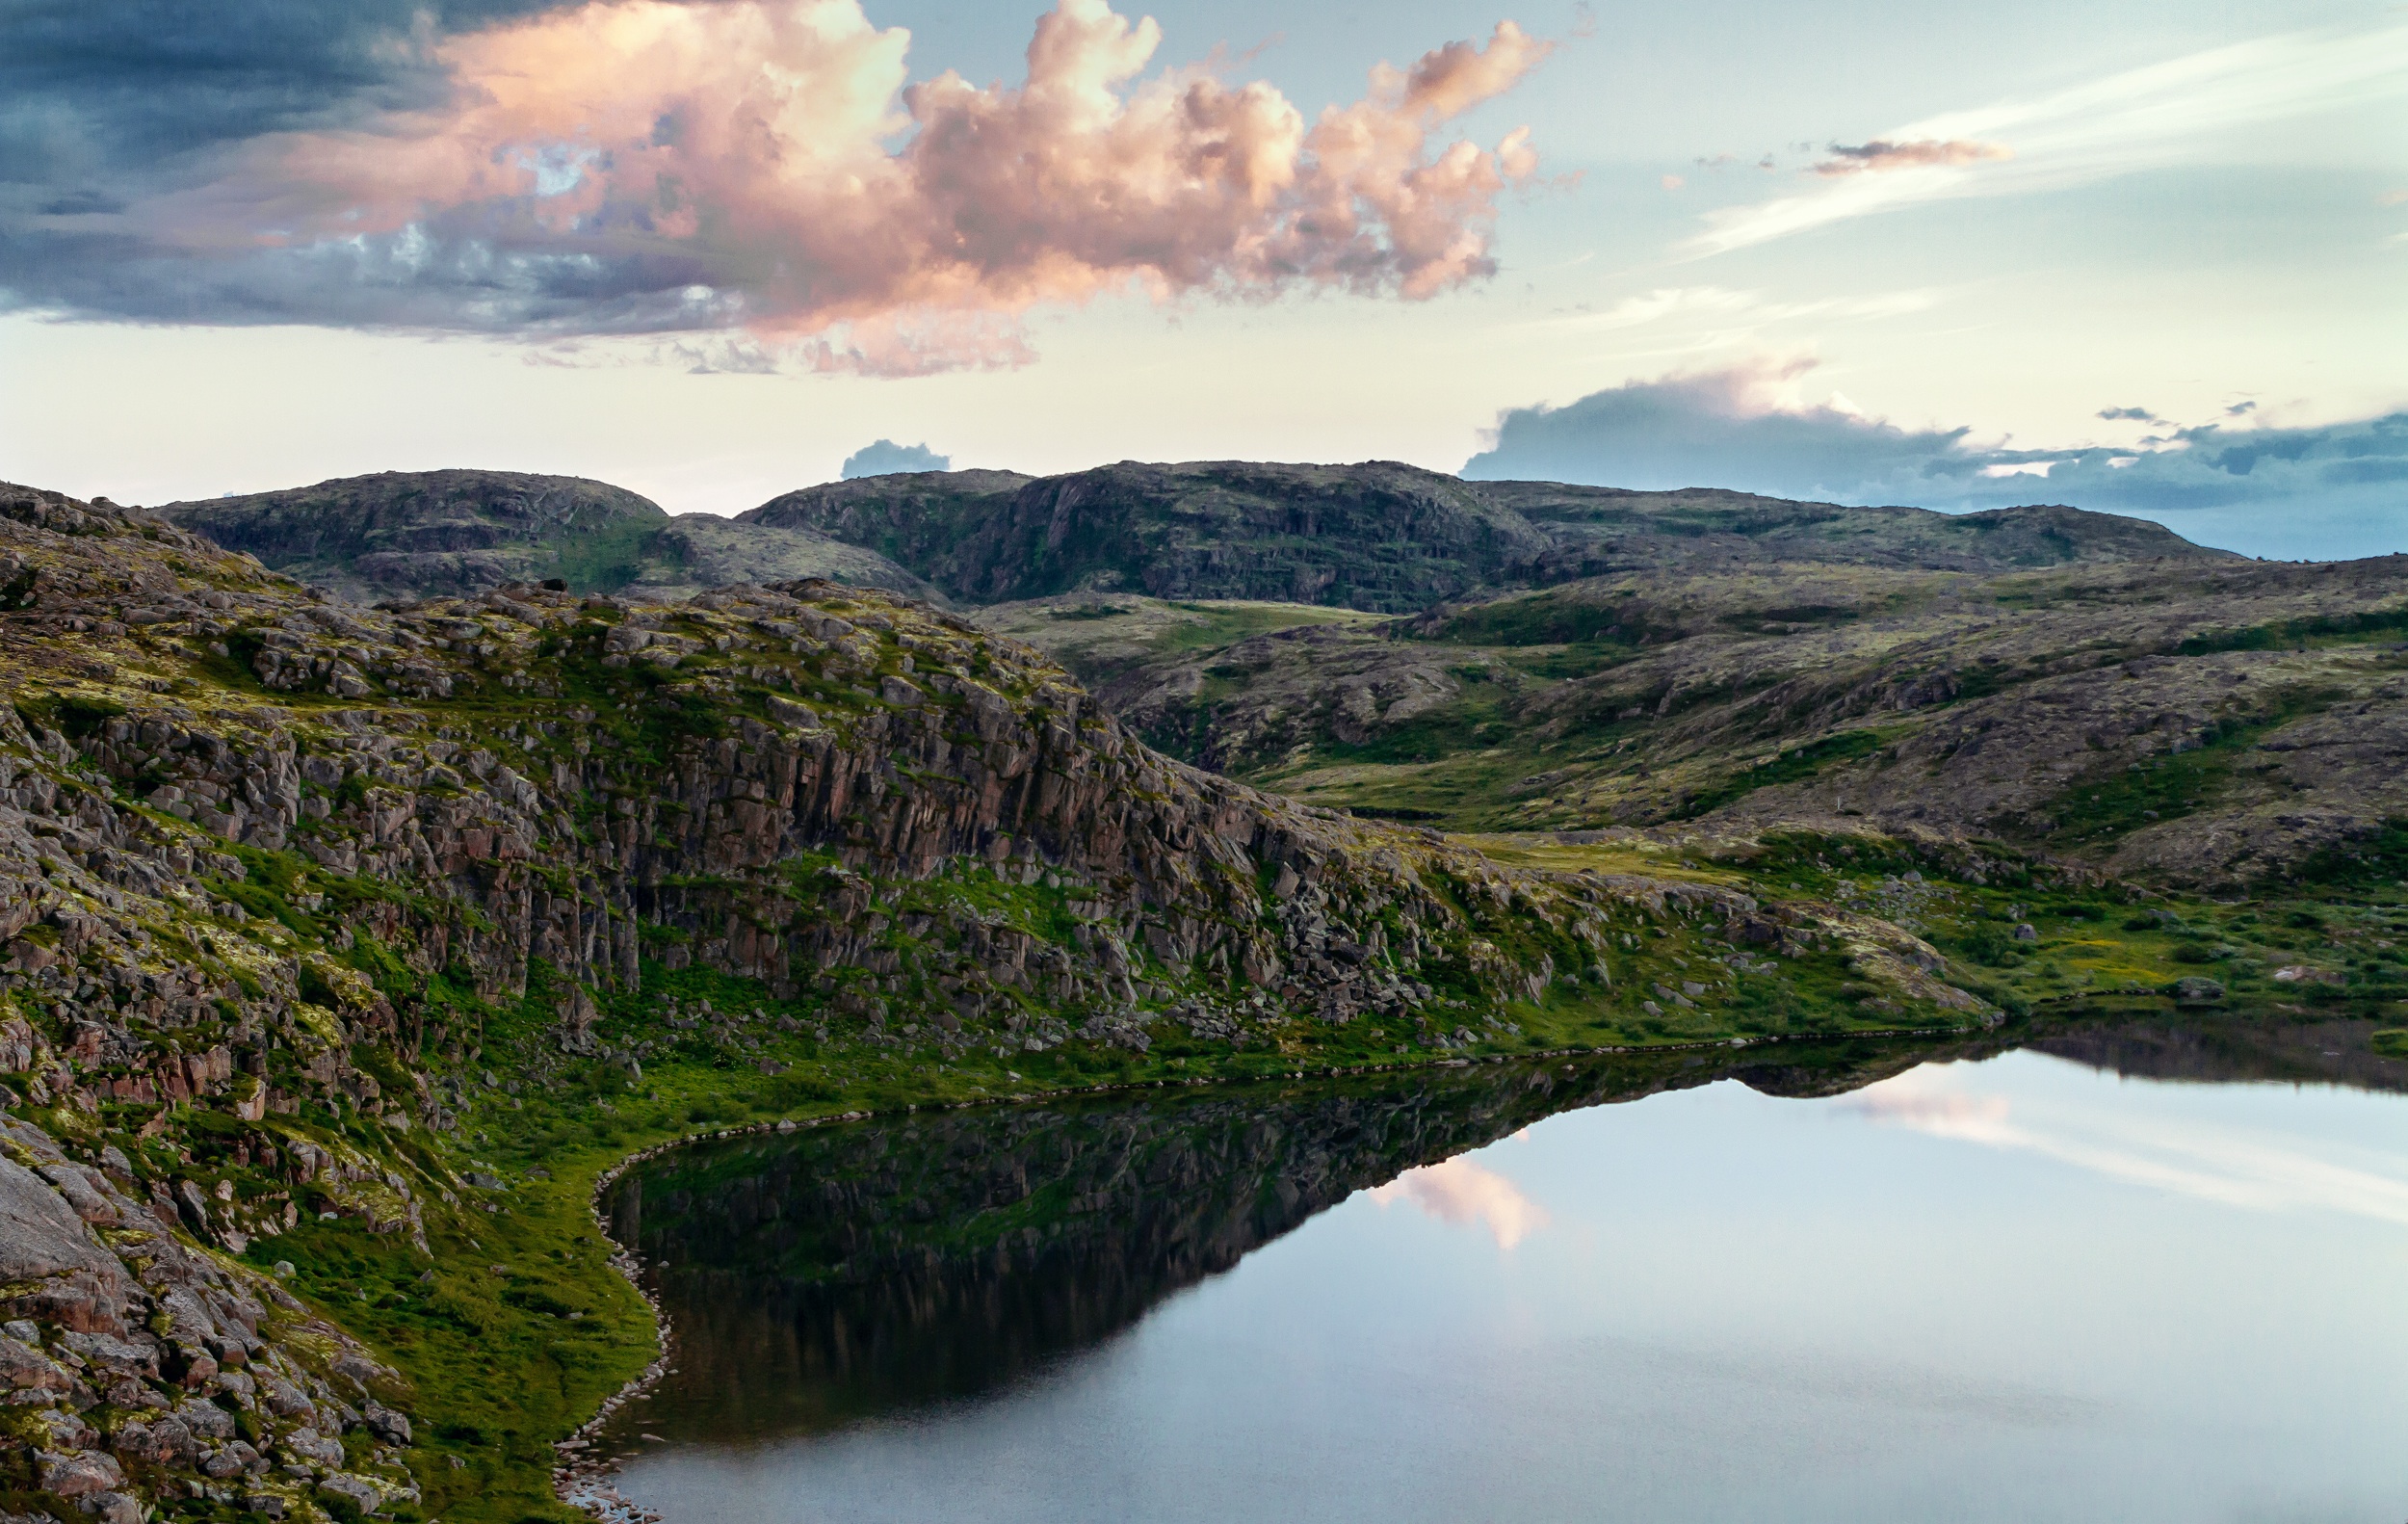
(2014, 1287)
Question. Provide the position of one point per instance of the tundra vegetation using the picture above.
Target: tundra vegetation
(345, 948)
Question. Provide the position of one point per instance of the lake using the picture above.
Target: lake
(2132, 1275)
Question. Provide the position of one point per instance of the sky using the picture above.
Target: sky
(2148, 258)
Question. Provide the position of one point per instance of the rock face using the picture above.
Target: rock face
(1374, 537)
(1391, 538)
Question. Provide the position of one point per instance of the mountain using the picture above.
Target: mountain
(1392, 539)
(432, 533)
(1380, 536)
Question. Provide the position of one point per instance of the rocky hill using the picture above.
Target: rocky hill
(341, 947)
(1389, 537)
(422, 533)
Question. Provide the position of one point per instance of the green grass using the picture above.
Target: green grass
(2170, 785)
(1794, 766)
(1221, 624)
(2302, 634)
(602, 561)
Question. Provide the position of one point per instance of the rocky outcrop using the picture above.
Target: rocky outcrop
(139, 1368)
(698, 552)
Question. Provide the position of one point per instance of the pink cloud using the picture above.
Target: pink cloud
(1461, 1193)
(1882, 155)
(772, 161)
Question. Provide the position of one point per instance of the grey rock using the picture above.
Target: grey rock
(40, 1235)
(385, 1424)
(73, 1475)
(314, 1447)
(367, 1494)
(24, 1368)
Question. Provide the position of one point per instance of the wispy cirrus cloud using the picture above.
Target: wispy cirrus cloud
(1883, 155)
(1461, 1193)
(2162, 114)
(769, 166)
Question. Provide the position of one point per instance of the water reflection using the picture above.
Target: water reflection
(1459, 1191)
(832, 1277)
(2211, 1163)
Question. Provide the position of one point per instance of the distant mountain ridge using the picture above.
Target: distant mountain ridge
(1379, 536)
(1388, 538)
(432, 532)
(454, 533)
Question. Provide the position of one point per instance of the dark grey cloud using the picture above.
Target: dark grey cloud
(2328, 491)
(2134, 414)
(105, 102)
(117, 89)
(886, 458)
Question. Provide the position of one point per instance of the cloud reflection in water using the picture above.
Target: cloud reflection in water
(2206, 1162)
(1459, 1192)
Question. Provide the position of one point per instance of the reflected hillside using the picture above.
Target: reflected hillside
(826, 1277)
(2237, 1051)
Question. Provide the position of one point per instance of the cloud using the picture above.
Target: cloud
(2135, 414)
(2204, 1162)
(631, 165)
(1461, 1193)
(1717, 316)
(2327, 490)
(2185, 110)
(1742, 427)
(886, 458)
(1881, 156)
